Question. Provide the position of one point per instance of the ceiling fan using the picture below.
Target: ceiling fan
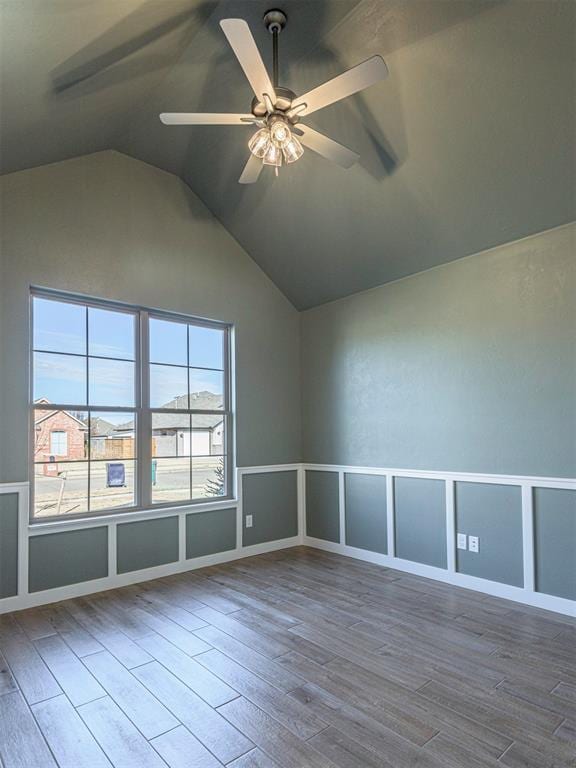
(277, 111)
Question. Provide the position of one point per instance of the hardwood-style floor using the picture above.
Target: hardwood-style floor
(297, 659)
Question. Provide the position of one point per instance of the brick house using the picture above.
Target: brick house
(59, 436)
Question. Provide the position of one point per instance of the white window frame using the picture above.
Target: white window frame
(142, 412)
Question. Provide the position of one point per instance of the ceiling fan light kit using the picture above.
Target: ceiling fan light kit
(277, 111)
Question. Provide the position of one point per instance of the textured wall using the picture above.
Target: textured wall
(467, 367)
(108, 226)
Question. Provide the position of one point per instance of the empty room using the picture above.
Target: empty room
(287, 384)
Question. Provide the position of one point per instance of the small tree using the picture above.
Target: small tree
(216, 484)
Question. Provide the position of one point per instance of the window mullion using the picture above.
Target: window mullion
(144, 418)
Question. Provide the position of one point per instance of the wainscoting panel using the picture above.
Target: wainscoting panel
(555, 541)
(271, 499)
(70, 557)
(494, 514)
(365, 519)
(323, 505)
(420, 520)
(526, 526)
(210, 532)
(8, 544)
(146, 544)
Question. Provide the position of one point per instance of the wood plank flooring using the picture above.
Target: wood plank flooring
(295, 659)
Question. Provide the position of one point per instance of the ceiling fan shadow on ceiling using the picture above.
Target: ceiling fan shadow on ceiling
(277, 111)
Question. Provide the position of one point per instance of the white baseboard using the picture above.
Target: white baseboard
(57, 594)
(493, 588)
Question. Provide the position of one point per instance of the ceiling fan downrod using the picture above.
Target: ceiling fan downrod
(275, 21)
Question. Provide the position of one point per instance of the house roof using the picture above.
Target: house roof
(198, 400)
(99, 427)
(49, 414)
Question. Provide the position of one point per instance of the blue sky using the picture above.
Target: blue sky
(60, 327)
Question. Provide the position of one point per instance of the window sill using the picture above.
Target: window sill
(108, 518)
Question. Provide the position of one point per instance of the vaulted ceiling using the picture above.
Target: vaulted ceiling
(468, 144)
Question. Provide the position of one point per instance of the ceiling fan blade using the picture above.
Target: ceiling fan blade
(205, 118)
(326, 147)
(247, 53)
(251, 171)
(353, 80)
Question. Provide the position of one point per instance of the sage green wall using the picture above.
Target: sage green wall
(322, 505)
(272, 500)
(109, 226)
(420, 520)
(494, 514)
(365, 506)
(70, 557)
(555, 541)
(210, 532)
(147, 543)
(468, 367)
(8, 544)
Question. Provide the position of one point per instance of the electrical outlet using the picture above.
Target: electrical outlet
(461, 541)
(474, 543)
(248, 521)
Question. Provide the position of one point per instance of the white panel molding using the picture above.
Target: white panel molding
(390, 516)
(568, 483)
(28, 530)
(494, 588)
(527, 595)
(528, 537)
(450, 527)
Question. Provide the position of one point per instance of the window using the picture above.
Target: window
(58, 443)
(130, 408)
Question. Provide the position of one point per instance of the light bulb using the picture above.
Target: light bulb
(292, 150)
(280, 133)
(260, 142)
(273, 155)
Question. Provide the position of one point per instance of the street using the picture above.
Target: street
(67, 493)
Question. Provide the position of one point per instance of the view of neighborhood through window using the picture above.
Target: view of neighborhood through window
(117, 426)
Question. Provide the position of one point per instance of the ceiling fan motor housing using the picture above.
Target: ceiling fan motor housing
(284, 99)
